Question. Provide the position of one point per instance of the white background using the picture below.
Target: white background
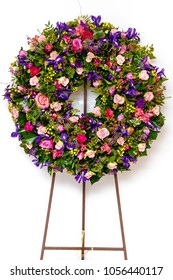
(146, 191)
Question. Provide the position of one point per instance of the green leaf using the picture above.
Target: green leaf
(153, 135)
(28, 137)
(98, 33)
(95, 179)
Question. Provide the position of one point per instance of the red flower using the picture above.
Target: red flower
(48, 48)
(96, 62)
(109, 113)
(56, 153)
(87, 35)
(109, 64)
(34, 70)
(81, 138)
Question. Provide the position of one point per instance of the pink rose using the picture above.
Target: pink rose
(114, 30)
(120, 59)
(89, 174)
(26, 109)
(96, 83)
(143, 75)
(79, 71)
(77, 45)
(15, 113)
(111, 90)
(129, 76)
(112, 165)
(63, 81)
(60, 128)
(33, 81)
(42, 101)
(56, 106)
(102, 133)
(156, 110)
(59, 145)
(118, 99)
(28, 127)
(148, 96)
(90, 153)
(46, 144)
(141, 147)
(123, 49)
(96, 111)
(53, 55)
(41, 129)
(120, 117)
(106, 148)
(120, 141)
(41, 39)
(74, 119)
(80, 155)
(89, 57)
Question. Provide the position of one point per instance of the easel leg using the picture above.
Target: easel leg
(120, 216)
(83, 221)
(48, 215)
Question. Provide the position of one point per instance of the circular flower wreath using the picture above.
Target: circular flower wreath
(126, 117)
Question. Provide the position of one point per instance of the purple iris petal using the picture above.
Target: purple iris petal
(81, 177)
(161, 73)
(61, 26)
(96, 20)
(35, 161)
(64, 94)
(132, 34)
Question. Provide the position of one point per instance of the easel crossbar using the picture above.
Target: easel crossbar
(85, 248)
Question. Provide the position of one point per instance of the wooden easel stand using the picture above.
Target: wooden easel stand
(84, 248)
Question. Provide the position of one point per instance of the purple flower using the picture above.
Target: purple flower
(81, 177)
(64, 136)
(78, 64)
(132, 34)
(140, 103)
(96, 20)
(64, 94)
(61, 26)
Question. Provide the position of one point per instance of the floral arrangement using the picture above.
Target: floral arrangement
(127, 114)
